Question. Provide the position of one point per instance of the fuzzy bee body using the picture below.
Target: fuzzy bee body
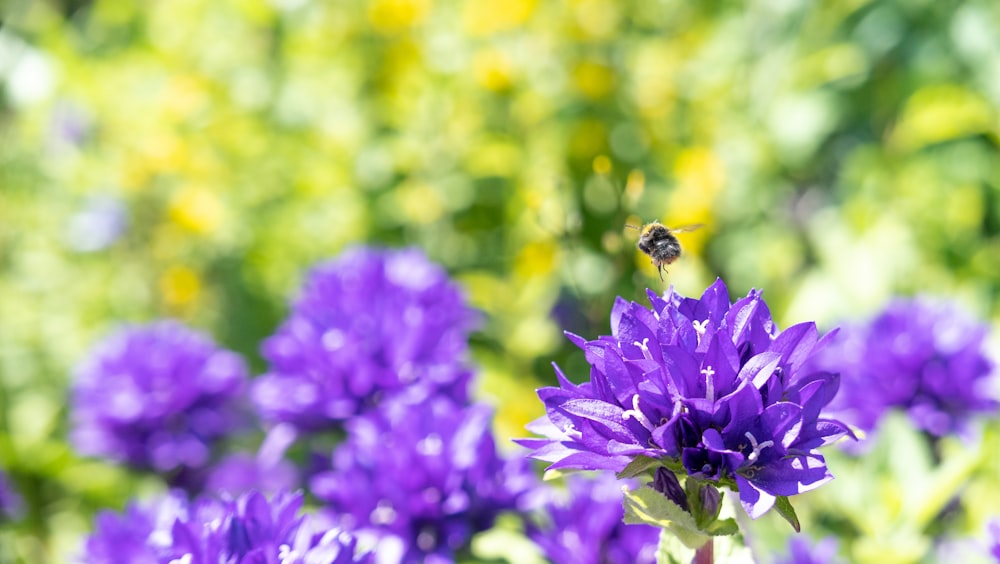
(660, 243)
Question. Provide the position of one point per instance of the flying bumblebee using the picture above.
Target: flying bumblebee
(660, 243)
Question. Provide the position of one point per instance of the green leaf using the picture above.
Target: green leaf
(786, 510)
(648, 506)
(639, 465)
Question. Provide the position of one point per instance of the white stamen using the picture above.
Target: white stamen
(287, 555)
(383, 514)
(644, 347)
(756, 447)
(638, 415)
(571, 432)
(700, 327)
(709, 383)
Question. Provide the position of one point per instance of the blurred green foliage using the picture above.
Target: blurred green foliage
(837, 153)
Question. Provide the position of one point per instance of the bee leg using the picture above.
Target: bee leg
(659, 268)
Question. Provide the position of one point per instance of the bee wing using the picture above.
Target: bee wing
(684, 228)
(630, 226)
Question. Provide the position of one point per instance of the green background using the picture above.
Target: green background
(837, 153)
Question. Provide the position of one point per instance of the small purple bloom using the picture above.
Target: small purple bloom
(10, 502)
(268, 470)
(69, 125)
(802, 551)
(919, 355)
(993, 529)
(157, 396)
(369, 324)
(585, 525)
(421, 479)
(248, 530)
(705, 382)
(98, 223)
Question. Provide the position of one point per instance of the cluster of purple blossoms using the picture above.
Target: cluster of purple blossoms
(704, 385)
(420, 480)
(370, 324)
(157, 397)
(248, 530)
(585, 525)
(919, 355)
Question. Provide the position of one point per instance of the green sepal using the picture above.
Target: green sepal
(640, 465)
(702, 516)
(550, 475)
(723, 528)
(648, 506)
(786, 510)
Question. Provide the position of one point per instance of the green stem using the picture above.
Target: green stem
(704, 554)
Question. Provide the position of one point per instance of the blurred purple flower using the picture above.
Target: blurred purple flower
(10, 501)
(585, 525)
(802, 551)
(993, 531)
(98, 223)
(922, 356)
(421, 479)
(710, 384)
(369, 324)
(157, 396)
(69, 126)
(267, 470)
(248, 530)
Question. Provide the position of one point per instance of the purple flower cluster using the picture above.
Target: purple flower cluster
(919, 355)
(370, 324)
(706, 385)
(157, 396)
(248, 530)
(585, 525)
(421, 479)
(376, 345)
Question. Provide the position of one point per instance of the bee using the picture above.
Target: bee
(660, 243)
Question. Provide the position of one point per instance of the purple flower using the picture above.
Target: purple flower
(10, 502)
(585, 525)
(919, 355)
(369, 324)
(704, 385)
(993, 528)
(99, 222)
(69, 126)
(248, 530)
(802, 551)
(421, 479)
(268, 470)
(157, 396)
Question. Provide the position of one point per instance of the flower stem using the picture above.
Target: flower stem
(704, 554)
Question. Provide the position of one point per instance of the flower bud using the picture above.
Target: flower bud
(666, 483)
(709, 498)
